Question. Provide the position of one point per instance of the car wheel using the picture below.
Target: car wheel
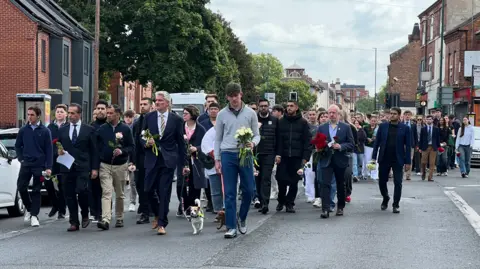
(18, 209)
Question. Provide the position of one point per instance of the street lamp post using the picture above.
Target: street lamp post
(97, 44)
(375, 87)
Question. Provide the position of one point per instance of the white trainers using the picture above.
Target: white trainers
(131, 208)
(26, 216)
(34, 221)
(317, 203)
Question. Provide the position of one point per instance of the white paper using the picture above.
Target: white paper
(66, 159)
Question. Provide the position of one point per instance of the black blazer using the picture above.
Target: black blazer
(199, 179)
(84, 150)
(414, 134)
(424, 138)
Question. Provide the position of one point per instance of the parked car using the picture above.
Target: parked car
(475, 160)
(9, 196)
(8, 138)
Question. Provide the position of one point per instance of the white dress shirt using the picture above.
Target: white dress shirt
(159, 121)
(70, 133)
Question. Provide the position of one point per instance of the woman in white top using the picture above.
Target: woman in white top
(463, 146)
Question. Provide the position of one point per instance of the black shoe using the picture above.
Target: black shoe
(290, 209)
(264, 210)
(73, 228)
(85, 222)
(119, 223)
(52, 212)
(325, 215)
(143, 219)
(103, 225)
(355, 179)
(385, 203)
(209, 207)
(61, 215)
(396, 209)
(279, 207)
(179, 211)
(339, 212)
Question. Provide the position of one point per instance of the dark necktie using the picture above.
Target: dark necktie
(429, 134)
(74, 135)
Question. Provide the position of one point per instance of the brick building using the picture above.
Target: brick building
(353, 93)
(458, 40)
(403, 69)
(430, 57)
(128, 94)
(42, 50)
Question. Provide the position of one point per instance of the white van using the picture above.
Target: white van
(180, 100)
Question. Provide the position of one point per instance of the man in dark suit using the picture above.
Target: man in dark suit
(429, 144)
(159, 170)
(78, 139)
(340, 138)
(394, 140)
(407, 120)
(139, 160)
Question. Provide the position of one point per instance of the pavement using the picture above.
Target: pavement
(435, 229)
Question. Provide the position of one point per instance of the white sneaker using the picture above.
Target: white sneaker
(317, 203)
(27, 216)
(419, 174)
(34, 221)
(131, 208)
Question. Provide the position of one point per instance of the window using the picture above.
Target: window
(44, 55)
(86, 62)
(66, 60)
(424, 32)
(430, 62)
(431, 27)
(455, 62)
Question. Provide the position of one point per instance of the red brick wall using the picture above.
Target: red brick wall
(115, 81)
(43, 77)
(17, 58)
(404, 66)
(429, 49)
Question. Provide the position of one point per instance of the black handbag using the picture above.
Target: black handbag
(207, 161)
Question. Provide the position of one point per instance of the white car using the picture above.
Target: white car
(475, 160)
(9, 196)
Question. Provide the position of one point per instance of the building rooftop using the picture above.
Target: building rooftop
(294, 66)
(348, 86)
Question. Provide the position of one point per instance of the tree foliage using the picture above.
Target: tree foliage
(365, 105)
(267, 69)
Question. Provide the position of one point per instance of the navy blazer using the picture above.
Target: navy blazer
(403, 145)
(345, 139)
(413, 131)
(171, 145)
(424, 138)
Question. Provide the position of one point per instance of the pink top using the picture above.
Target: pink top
(189, 132)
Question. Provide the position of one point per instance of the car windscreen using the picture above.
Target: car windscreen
(8, 140)
(477, 133)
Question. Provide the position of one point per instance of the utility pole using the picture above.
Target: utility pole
(375, 90)
(442, 39)
(96, 82)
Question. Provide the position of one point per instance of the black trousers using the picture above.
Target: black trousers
(143, 201)
(326, 185)
(57, 197)
(77, 184)
(264, 179)
(187, 191)
(417, 159)
(287, 177)
(32, 200)
(383, 172)
(95, 198)
(349, 177)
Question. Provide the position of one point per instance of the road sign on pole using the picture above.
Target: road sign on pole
(270, 96)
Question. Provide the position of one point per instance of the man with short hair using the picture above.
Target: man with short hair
(428, 146)
(57, 197)
(209, 99)
(393, 146)
(407, 120)
(79, 140)
(115, 146)
(35, 153)
(277, 111)
(229, 120)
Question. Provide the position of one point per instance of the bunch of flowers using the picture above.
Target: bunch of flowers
(244, 136)
(146, 135)
(371, 166)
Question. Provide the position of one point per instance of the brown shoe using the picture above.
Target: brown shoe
(155, 223)
(161, 231)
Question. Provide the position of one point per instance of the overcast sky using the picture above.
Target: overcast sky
(329, 38)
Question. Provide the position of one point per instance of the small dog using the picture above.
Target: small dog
(220, 219)
(196, 217)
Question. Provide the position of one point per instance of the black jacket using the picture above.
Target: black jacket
(139, 152)
(268, 132)
(55, 132)
(294, 137)
(106, 136)
(84, 150)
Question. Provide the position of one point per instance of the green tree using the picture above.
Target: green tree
(365, 105)
(282, 89)
(381, 95)
(267, 69)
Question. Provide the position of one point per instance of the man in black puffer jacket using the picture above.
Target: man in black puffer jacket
(266, 150)
(293, 151)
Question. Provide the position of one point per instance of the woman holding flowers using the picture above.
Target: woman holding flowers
(191, 186)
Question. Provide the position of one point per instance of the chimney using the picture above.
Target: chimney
(415, 36)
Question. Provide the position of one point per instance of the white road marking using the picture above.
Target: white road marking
(470, 214)
(450, 188)
(45, 223)
(469, 185)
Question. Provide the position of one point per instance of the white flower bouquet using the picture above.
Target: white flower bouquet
(244, 136)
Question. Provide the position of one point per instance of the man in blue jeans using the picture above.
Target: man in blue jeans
(231, 118)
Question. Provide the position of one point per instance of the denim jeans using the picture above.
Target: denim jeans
(333, 191)
(216, 191)
(231, 169)
(464, 159)
(357, 163)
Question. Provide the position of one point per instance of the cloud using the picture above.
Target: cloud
(329, 38)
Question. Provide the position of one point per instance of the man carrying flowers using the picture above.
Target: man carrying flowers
(234, 156)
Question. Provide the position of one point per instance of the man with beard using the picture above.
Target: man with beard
(268, 126)
(95, 193)
(139, 160)
(293, 152)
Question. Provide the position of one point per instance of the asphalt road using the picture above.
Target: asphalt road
(430, 232)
